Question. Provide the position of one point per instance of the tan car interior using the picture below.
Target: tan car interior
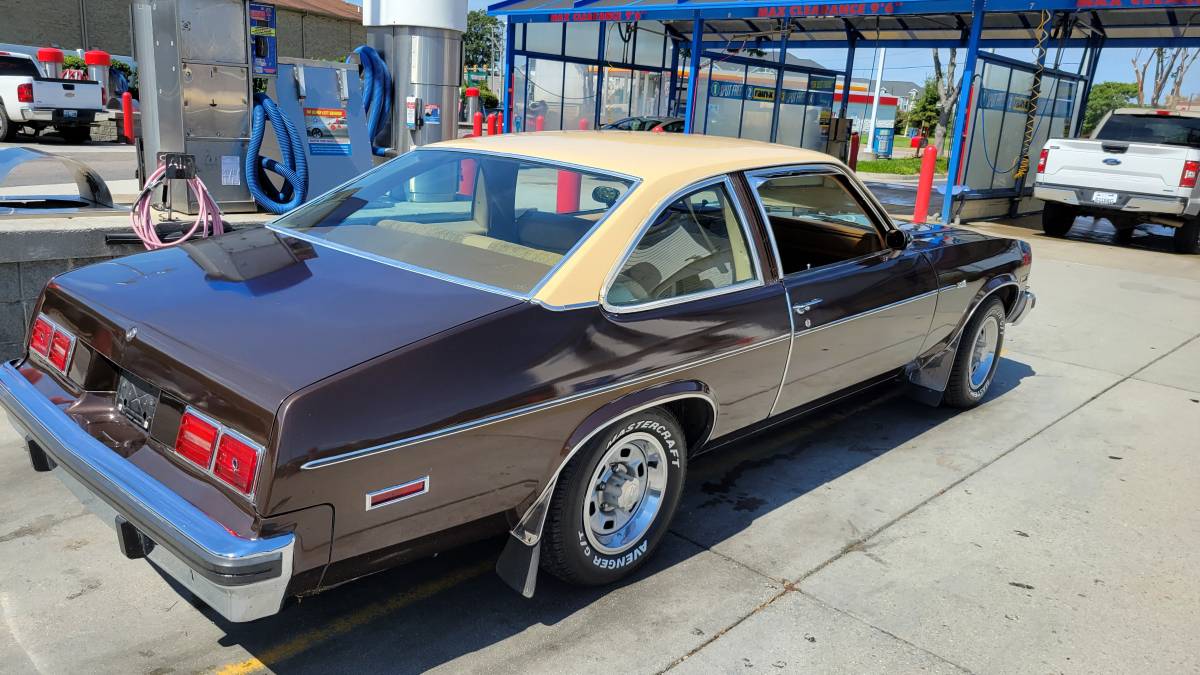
(817, 221)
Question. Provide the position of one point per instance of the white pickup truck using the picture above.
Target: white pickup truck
(1140, 165)
(29, 99)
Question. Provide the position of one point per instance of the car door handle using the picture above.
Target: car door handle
(801, 308)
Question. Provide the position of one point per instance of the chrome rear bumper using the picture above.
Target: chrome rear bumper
(243, 579)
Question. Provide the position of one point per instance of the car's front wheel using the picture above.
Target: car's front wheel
(978, 356)
(1057, 218)
(614, 501)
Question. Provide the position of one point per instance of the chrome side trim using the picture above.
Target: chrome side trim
(526, 410)
(529, 532)
(787, 295)
(953, 287)
(869, 312)
(397, 500)
(723, 179)
(564, 308)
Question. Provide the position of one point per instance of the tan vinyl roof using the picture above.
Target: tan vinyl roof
(664, 163)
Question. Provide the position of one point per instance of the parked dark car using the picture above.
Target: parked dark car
(670, 125)
(523, 333)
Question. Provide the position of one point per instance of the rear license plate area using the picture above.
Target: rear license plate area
(137, 400)
(1104, 197)
(70, 114)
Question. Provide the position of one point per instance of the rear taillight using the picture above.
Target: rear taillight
(25, 93)
(1191, 169)
(236, 457)
(61, 345)
(197, 439)
(43, 333)
(1042, 160)
(237, 462)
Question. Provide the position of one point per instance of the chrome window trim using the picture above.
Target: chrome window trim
(869, 312)
(532, 408)
(634, 183)
(731, 194)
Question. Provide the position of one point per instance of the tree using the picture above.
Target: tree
(1104, 97)
(481, 38)
(925, 112)
(947, 93)
(1170, 66)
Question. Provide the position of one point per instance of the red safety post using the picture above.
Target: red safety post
(539, 123)
(127, 115)
(491, 119)
(925, 185)
(477, 124)
(500, 122)
(584, 124)
(466, 177)
(853, 160)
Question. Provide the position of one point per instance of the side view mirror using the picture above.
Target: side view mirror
(898, 239)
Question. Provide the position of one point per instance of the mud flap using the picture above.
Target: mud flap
(518, 565)
(928, 377)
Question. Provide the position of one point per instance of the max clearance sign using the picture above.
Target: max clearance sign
(830, 9)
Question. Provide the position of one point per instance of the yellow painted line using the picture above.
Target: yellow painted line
(359, 617)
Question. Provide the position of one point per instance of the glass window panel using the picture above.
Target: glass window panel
(723, 114)
(579, 96)
(760, 103)
(476, 216)
(520, 88)
(615, 104)
(695, 244)
(583, 39)
(646, 92)
(519, 37)
(819, 112)
(545, 38)
(618, 43)
(816, 220)
(792, 103)
(545, 94)
(702, 83)
(651, 38)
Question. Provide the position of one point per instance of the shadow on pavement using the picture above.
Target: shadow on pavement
(428, 613)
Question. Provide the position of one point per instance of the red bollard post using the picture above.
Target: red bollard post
(925, 185)
(477, 124)
(853, 160)
(500, 122)
(584, 124)
(466, 178)
(127, 116)
(539, 123)
(491, 128)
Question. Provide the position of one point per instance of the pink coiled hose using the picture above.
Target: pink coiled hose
(208, 220)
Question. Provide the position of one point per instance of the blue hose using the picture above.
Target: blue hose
(293, 169)
(377, 94)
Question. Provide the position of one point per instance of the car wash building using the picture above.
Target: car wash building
(730, 67)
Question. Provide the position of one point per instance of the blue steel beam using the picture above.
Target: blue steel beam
(779, 81)
(960, 114)
(599, 75)
(694, 49)
(509, 44)
(851, 44)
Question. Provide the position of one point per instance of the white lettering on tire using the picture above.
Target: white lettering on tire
(620, 561)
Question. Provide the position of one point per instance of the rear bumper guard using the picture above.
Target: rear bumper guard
(243, 579)
(1026, 301)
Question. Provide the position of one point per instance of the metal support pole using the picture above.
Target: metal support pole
(1093, 62)
(673, 99)
(960, 113)
(785, 26)
(875, 99)
(510, 33)
(697, 46)
(851, 41)
(600, 76)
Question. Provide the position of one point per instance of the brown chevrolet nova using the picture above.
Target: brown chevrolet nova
(531, 333)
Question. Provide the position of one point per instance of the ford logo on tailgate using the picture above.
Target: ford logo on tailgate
(1112, 161)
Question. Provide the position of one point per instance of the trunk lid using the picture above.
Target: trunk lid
(1116, 165)
(67, 94)
(247, 319)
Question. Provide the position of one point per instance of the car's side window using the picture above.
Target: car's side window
(816, 219)
(695, 244)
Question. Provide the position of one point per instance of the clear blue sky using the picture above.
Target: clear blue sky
(916, 65)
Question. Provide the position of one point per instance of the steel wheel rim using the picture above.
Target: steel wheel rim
(625, 493)
(983, 352)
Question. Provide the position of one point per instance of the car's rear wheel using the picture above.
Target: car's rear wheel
(1057, 218)
(978, 356)
(615, 499)
(8, 130)
(1187, 237)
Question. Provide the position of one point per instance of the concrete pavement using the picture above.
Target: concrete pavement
(1053, 528)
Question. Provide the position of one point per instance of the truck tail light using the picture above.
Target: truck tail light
(1191, 169)
(43, 333)
(25, 93)
(237, 462)
(1042, 160)
(197, 438)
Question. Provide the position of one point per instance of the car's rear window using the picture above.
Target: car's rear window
(1151, 128)
(500, 221)
(12, 65)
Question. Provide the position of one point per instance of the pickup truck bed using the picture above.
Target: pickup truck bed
(27, 99)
